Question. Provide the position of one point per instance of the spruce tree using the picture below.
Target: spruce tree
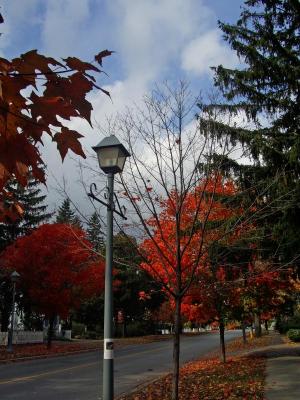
(94, 232)
(65, 214)
(35, 211)
(90, 310)
(131, 281)
(267, 39)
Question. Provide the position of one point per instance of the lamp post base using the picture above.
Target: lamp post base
(108, 380)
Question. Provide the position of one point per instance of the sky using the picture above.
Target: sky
(153, 40)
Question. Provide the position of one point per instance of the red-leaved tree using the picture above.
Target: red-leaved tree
(57, 268)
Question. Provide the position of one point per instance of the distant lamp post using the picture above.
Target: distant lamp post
(14, 277)
(111, 156)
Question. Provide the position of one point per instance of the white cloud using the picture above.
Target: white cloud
(153, 33)
(149, 38)
(153, 39)
(206, 51)
(17, 16)
(63, 22)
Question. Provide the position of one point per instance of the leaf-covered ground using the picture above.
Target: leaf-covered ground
(240, 378)
(24, 351)
(236, 346)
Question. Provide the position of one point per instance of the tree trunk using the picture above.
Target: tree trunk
(4, 320)
(176, 350)
(124, 329)
(50, 331)
(266, 326)
(257, 326)
(244, 332)
(222, 341)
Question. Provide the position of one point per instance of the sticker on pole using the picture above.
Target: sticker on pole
(108, 349)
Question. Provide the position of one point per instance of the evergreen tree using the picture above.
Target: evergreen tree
(267, 38)
(91, 311)
(35, 211)
(65, 214)
(94, 232)
(131, 282)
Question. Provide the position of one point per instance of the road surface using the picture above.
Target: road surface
(78, 377)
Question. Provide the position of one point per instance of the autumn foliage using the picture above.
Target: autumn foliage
(220, 261)
(56, 267)
(203, 251)
(37, 94)
(200, 207)
(241, 378)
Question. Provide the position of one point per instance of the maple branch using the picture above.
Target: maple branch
(15, 74)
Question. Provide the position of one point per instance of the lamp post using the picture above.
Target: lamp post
(111, 157)
(14, 278)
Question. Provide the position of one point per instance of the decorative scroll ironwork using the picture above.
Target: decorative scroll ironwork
(121, 210)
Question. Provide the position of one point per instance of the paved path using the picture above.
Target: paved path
(283, 369)
(283, 378)
(78, 377)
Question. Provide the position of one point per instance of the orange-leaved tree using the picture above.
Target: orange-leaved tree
(58, 270)
(37, 93)
(214, 297)
(165, 183)
(268, 287)
(199, 279)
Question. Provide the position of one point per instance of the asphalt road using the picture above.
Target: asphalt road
(78, 377)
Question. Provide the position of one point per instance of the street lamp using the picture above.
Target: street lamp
(14, 278)
(111, 157)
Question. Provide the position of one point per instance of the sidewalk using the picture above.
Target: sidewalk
(283, 370)
(282, 381)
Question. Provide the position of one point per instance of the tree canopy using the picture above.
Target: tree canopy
(56, 268)
(265, 87)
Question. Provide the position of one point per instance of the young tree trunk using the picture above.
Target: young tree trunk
(257, 326)
(50, 331)
(244, 332)
(4, 320)
(266, 326)
(124, 329)
(176, 350)
(222, 341)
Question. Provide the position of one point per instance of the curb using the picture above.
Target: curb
(43, 356)
(141, 385)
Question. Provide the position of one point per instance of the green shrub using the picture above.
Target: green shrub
(99, 330)
(294, 335)
(290, 323)
(78, 329)
(62, 339)
(139, 328)
(91, 335)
